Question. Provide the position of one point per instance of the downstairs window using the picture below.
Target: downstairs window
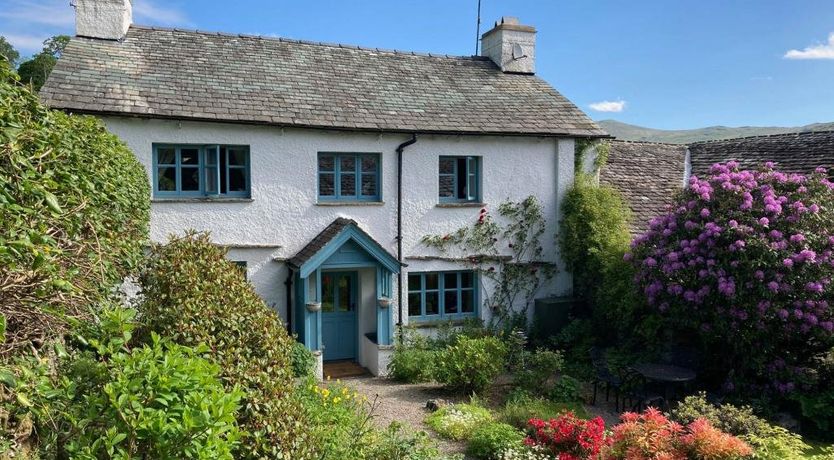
(442, 295)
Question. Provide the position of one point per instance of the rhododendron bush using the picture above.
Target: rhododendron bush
(744, 262)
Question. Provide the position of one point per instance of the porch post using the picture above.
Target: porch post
(312, 320)
(383, 313)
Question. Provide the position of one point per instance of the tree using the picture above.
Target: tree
(36, 70)
(8, 52)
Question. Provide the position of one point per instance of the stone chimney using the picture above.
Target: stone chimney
(107, 19)
(511, 45)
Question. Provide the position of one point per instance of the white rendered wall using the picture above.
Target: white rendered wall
(283, 214)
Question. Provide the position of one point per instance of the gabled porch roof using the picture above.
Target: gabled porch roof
(326, 243)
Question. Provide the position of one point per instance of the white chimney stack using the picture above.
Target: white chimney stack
(107, 19)
(511, 46)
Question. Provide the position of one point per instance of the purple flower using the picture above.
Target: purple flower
(788, 263)
(764, 221)
(798, 238)
(705, 213)
(773, 286)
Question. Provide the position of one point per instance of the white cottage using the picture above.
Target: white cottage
(321, 166)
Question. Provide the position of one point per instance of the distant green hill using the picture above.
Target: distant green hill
(625, 131)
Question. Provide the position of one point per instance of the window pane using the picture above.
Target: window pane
(348, 184)
(166, 156)
(447, 166)
(190, 179)
(345, 294)
(467, 301)
(466, 279)
(166, 179)
(414, 282)
(237, 179)
(369, 163)
(369, 185)
(211, 155)
(461, 192)
(190, 156)
(431, 280)
(326, 185)
(328, 293)
(414, 304)
(450, 280)
(447, 186)
(211, 179)
(472, 189)
(432, 305)
(450, 302)
(237, 157)
(326, 163)
(347, 163)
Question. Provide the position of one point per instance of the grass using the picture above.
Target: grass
(519, 410)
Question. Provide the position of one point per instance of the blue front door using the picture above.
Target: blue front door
(338, 314)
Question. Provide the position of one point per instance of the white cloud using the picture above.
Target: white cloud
(26, 43)
(819, 51)
(148, 10)
(608, 106)
(54, 13)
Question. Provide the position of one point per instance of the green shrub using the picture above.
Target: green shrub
(536, 368)
(521, 407)
(471, 364)
(491, 439)
(769, 442)
(74, 206)
(195, 296)
(302, 360)
(458, 421)
(414, 357)
(566, 389)
(396, 443)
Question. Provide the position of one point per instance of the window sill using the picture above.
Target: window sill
(429, 323)
(202, 200)
(350, 203)
(461, 205)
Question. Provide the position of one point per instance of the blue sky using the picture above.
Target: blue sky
(664, 64)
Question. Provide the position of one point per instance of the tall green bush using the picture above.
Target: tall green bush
(195, 296)
(471, 364)
(73, 211)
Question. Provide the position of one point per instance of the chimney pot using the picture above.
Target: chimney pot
(511, 45)
(106, 19)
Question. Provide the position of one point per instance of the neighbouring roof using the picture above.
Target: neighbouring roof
(647, 174)
(794, 152)
(171, 73)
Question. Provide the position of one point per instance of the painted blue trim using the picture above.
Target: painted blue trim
(337, 172)
(441, 298)
(383, 315)
(473, 169)
(362, 239)
(202, 167)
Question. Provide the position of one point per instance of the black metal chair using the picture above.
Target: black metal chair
(637, 391)
(605, 377)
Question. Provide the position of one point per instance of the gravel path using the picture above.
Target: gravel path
(405, 403)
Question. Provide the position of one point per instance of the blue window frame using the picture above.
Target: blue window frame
(460, 179)
(349, 177)
(201, 171)
(442, 295)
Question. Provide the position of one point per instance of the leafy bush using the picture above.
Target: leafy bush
(490, 439)
(566, 389)
(458, 421)
(471, 364)
(195, 296)
(568, 437)
(817, 401)
(743, 262)
(414, 358)
(524, 452)
(159, 400)
(302, 360)
(521, 407)
(536, 369)
(395, 443)
(74, 206)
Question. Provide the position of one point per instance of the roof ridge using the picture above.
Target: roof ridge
(762, 136)
(312, 42)
(628, 141)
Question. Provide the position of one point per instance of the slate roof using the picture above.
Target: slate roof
(647, 174)
(327, 235)
(794, 152)
(172, 73)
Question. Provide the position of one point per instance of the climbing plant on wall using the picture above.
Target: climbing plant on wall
(507, 252)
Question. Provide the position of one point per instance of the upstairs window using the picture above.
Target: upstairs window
(348, 177)
(201, 171)
(460, 179)
(441, 295)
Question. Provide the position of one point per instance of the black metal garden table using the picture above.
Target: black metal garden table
(667, 376)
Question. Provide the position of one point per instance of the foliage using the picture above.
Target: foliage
(602, 149)
(8, 53)
(744, 262)
(568, 437)
(524, 452)
(817, 401)
(490, 439)
(395, 443)
(74, 207)
(471, 364)
(36, 70)
(414, 358)
(521, 407)
(566, 389)
(195, 296)
(158, 400)
(302, 360)
(651, 435)
(458, 421)
(536, 369)
(507, 252)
